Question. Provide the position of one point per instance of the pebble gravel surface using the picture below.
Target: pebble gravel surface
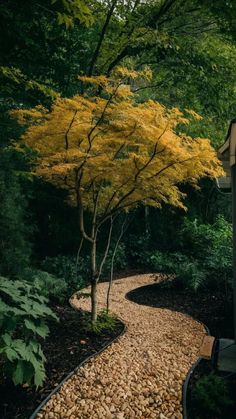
(140, 375)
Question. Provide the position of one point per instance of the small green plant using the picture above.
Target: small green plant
(211, 395)
(23, 315)
(105, 323)
(191, 275)
(56, 289)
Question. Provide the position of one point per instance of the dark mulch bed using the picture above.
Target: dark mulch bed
(211, 308)
(65, 348)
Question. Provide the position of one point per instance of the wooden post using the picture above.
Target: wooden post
(233, 182)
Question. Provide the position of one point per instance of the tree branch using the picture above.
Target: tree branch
(122, 231)
(68, 130)
(101, 38)
(107, 249)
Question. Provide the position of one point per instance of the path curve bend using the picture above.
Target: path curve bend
(140, 375)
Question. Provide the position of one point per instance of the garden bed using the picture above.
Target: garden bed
(216, 313)
(65, 348)
(209, 307)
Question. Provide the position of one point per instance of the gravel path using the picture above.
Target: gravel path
(139, 376)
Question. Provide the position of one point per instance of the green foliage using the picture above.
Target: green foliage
(211, 245)
(120, 260)
(53, 288)
(75, 273)
(165, 262)
(138, 246)
(204, 259)
(23, 315)
(73, 10)
(14, 231)
(105, 323)
(211, 395)
(188, 270)
(13, 78)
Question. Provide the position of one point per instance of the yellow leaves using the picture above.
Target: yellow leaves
(124, 92)
(128, 151)
(101, 81)
(24, 116)
(124, 72)
(117, 85)
(194, 114)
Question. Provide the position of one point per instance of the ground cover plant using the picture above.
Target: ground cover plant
(22, 320)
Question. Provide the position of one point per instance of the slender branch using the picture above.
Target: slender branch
(78, 255)
(101, 38)
(151, 86)
(113, 259)
(95, 203)
(100, 119)
(81, 209)
(170, 165)
(136, 176)
(68, 130)
(146, 164)
(107, 249)
(164, 9)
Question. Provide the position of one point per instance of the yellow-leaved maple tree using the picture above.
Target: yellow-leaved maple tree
(112, 154)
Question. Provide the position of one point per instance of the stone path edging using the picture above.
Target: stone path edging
(141, 374)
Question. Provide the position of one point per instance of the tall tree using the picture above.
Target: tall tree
(113, 154)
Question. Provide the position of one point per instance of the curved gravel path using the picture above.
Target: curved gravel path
(139, 376)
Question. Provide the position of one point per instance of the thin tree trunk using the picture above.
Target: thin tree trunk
(96, 273)
(77, 257)
(94, 281)
(94, 311)
(112, 264)
(147, 225)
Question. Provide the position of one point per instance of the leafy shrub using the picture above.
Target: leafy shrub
(211, 395)
(75, 274)
(211, 245)
(201, 239)
(23, 314)
(56, 289)
(120, 260)
(138, 247)
(191, 275)
(165, 262)
(205, 260)
(105, 322)
(188, 271)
